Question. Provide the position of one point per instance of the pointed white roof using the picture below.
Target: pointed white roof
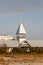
(21, 29)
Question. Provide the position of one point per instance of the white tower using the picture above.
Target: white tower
(21, 33)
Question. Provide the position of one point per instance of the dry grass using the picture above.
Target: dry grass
(21, 58)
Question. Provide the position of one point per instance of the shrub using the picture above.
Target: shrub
(18, 50)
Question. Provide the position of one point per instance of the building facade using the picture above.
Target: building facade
(21, 33)
(6, 37)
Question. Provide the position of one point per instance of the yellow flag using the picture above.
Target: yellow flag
(21, 11)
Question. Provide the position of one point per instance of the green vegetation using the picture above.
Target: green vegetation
(18, 50)
(36, 50)
(4, 48)
(15, 50)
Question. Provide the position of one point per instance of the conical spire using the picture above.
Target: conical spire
(21, 29)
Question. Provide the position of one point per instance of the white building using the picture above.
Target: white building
(6, 37)
(21, 33)
(21, 37)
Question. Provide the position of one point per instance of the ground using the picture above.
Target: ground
(21, 59)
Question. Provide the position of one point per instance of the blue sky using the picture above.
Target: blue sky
(32, 17)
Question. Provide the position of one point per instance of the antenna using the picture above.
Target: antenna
(21, 11)
(20, 19)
